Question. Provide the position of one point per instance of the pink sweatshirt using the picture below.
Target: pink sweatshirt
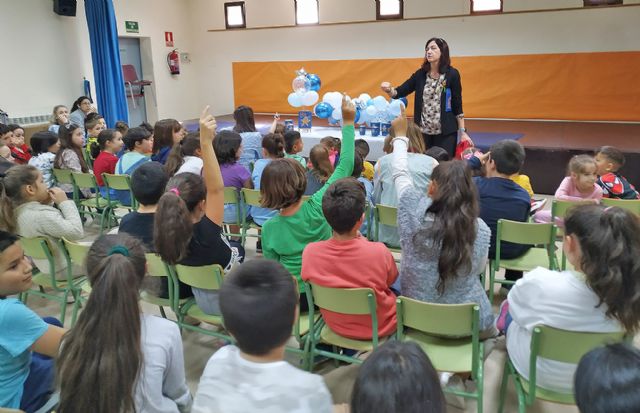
(567, 191)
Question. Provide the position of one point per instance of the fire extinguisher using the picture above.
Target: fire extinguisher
(173, 61)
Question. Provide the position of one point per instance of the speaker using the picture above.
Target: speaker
(64, 7)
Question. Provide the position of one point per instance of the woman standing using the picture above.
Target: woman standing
(251, 138)
(438, 99)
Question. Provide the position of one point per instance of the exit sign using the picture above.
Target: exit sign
(131, 26)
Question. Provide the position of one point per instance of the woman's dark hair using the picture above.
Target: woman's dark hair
(135, 135)
(445, 59)
(397, 377)
(609, 240)
(65, 133)
(104, 350)
(607, 380)
(163, 132)
(273, 143)
(455, 209)
(105, 136)
(173, 226)
(186, 147)
(11, 194)
(243, 115)
(76, 104)
(282, 183)
(322, 167)
(42, 141)
(226, 145)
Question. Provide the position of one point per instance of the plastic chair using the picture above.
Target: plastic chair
(552, 344)
(103, 208)
(119, 183)
(207, 277)
(158, 269)
(449, 334)
(232, 197)
(131, 79)
(75, 253)
(250, 197)
(63, 176)
(632, 205)
(386, 215)
(528, 234)
(40, 249)
(559, 210)
(355, 301)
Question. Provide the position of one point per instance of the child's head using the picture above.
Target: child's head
(15, 268)
(330, 143)
(609, 159)
(18, 135)
(146, 126)
(293, 142)
(148, 183)
(139, 140)
(6, 134)
(397, 377)
(228, 146)
(414, 134)
(189, 146)
(94, 124)
(59, 112)
(507, 157)
(179, 208)
(362, 147)
(45, 141)
(72, 138)
(108, 333)
(258, 301)
(358, 165)
(319, 157)
(122, 127)
(166, 133)
(245, 122)
(273, 146)
(109, 140)
(438, 153)
(607, 380)
(582, 169)
(603, 244)
(21, 183)
(83, 103)
(343, 205)
(282, 184)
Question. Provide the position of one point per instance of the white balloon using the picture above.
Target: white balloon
(294, 100)
(337, 114)
(365, 97)
(326, 97)
(394, 107)
(363, 117)
(371, 111)
(310, 98)
(335, 99)
(380, 103)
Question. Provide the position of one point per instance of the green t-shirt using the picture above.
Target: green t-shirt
(285, 237)
(298, 158)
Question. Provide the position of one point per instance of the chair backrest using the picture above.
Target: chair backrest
(129, 73)
(231, 195)
(63, 176)
(457, 320)
(386, 215)
(559, 208)
(251, 196)
(207, 277)
(632, 205)
(568, 346)
(525, 232)
(85, 180)
(155, 266)
(117, 182)
(76, 253)
(359, 301)
(38, 248)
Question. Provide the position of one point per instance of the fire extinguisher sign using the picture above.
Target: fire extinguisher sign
(168, 38)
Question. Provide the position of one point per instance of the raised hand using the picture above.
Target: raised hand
(400, 124)
(348, 111)
(207, 126)
(386, 87)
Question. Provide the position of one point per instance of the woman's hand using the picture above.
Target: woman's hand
(348, 111)
(207, 126)
(400, 124)
(464, 137)
(387, 88)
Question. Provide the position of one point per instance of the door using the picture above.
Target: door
(130, 55)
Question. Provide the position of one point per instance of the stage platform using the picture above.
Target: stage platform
(549, 145)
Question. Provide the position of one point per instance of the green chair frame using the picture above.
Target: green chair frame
(40, 248)
(449, 334)
(97, 205)
(632, 205)
(119, 182)
(64, 176)
(385, 215)
(207, 277)
(552, 344)
(157, 268)
(75, 253)
(523, 233)
(354, 301)
(559, 209)
(232, 196)
(249, 198)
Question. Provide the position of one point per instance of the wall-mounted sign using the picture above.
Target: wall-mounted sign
(132, 27)
(168, 38)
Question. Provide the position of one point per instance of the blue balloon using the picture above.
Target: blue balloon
(323, 110)
(357, 118)
(405, 101)
(370, 102)
(333, 121)
(314, 82)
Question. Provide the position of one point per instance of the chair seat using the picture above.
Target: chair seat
(97, 203)
(446, 354)
(328, 336)
(535, 257)
(195, 312)
(155, 300)
(545, 394)
(303, 323)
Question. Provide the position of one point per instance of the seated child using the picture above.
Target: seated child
(139, 143)
(45, 145)
(122, 127)
(609, 161)
(93, 124)
(188, 221)
(185, 156)
(358, 168)
(363, 148)
(70, 155)
(117, 348)
(321, 169)
(272, 148)
(26, 209)
(5, 134)
(333, 146)
(20, 150)
(258, 301)
(293, 145)
(298, 223)
(355, 261)
(602, 295)
(166, 133)
(27, 341)
(251, 138)
(104, 151)
(59, 117)
(277, 127)
(580, 185)
(438, 153)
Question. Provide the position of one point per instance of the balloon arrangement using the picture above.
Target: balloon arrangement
(368, 109)
(305, 89)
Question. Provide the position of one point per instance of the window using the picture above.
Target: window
(307, 11)
(589, 3)
(389, 9)
(486, 6)
(234, 15)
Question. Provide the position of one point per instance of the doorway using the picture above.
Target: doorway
(137, 104)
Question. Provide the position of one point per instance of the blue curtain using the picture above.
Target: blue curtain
(105, 54)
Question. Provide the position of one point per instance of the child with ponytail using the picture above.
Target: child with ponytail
(188, 221)
(185, 156)
(135, 360)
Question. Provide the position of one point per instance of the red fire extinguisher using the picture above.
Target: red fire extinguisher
(173, 61)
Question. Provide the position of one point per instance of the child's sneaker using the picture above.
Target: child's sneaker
(537, 205)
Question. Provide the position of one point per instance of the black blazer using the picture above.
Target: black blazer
(416, 82)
